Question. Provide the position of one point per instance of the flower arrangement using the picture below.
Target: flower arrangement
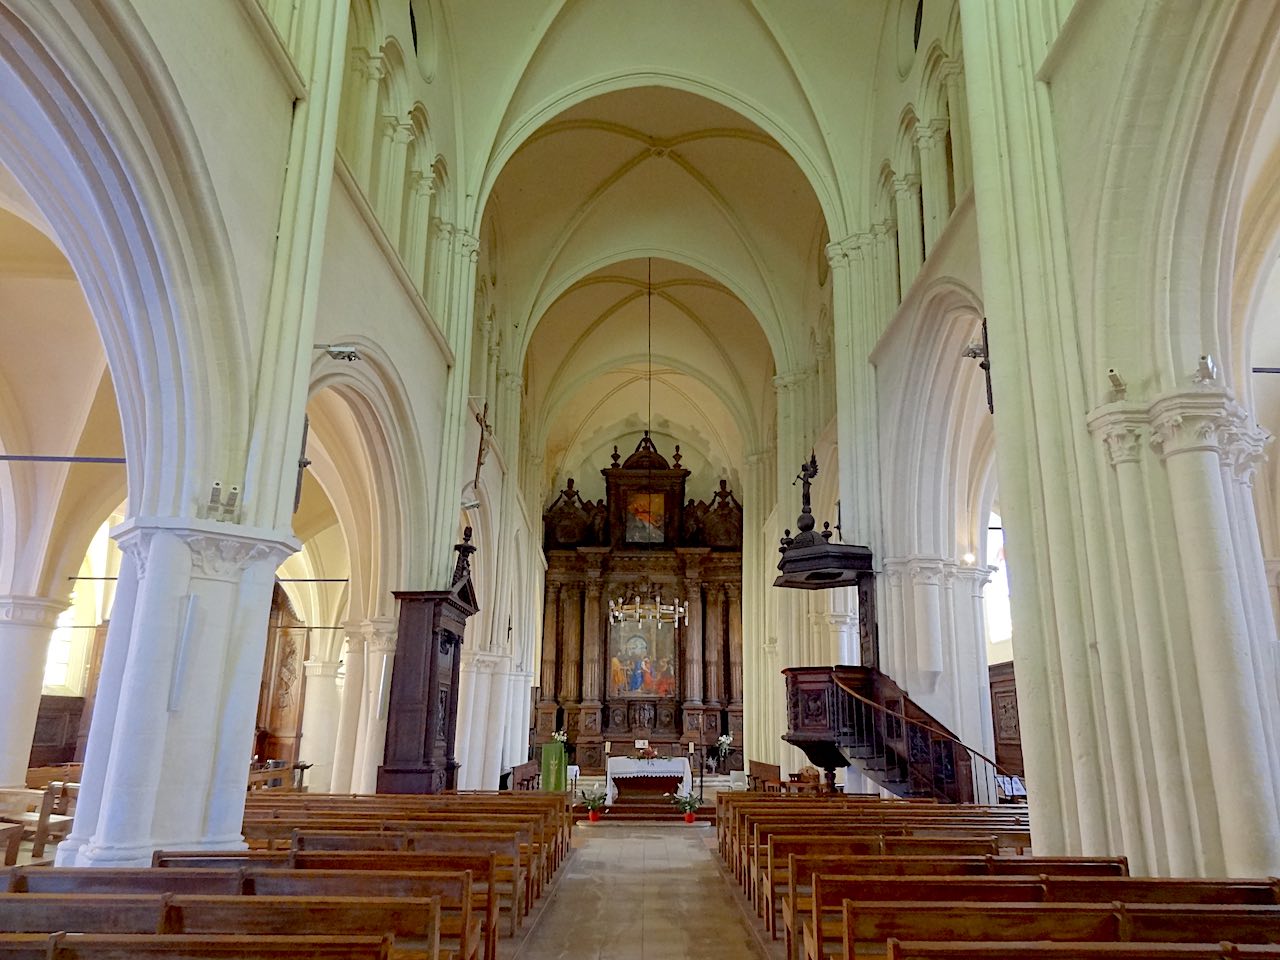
(648, 753)
(560, 737)
(684, 802)
(594, 799)
(723, 742)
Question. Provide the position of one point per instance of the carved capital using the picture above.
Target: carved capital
(24, 611)
(370, 65)
(379, 635)
(931, 135)
(926, 571)
(1198, 421)
(468, 246)
(1245, 450)
(908, 184)
(1122, 428)
(219, 557)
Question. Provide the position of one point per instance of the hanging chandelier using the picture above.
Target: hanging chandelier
(654, 610)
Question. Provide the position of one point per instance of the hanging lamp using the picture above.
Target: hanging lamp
(655, 609)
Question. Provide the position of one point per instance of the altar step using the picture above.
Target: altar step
(631, 811)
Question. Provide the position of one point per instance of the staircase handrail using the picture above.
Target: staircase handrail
(924, 726)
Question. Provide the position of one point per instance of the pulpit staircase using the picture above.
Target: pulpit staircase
(857, 716)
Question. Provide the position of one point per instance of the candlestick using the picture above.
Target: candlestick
(607, 745)
(691, 748)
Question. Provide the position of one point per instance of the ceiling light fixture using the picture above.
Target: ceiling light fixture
(653, 610)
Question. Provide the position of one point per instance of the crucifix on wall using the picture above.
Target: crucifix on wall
(486, 438)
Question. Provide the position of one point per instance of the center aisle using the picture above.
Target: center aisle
(642, 892)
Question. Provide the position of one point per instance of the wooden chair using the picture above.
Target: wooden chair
(33, 810)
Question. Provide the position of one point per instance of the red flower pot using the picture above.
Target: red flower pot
(690, 817)
(593, 815)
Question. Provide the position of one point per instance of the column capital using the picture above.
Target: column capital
(1196, 421)
(219, 551)
(468, 246)
(734, 591)
(379, 634)
(1122, 428)
(31, 611)
(321, 668)
(371, 65)
(931, 134)
(792, 379)
(908, 183)
(928, 571)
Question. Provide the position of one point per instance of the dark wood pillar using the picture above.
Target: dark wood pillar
(713, 683)
(734, 592)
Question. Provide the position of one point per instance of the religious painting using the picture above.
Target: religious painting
(646, 517)
(642, 660)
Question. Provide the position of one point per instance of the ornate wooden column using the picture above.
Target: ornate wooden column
(713, 646)
(571, 631)
(550, 639)
(590, 739)
(734, 592)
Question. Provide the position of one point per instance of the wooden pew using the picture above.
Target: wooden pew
(33, 811)
(414, 923)
(123, 880)
(797, 902)
(764, 776)
(40, 777)
(1045, 950)
(526, 776)
(874, 922)
(10, 842)
(95, 946)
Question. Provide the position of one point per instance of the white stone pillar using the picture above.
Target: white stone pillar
(418, 230)
(499, 710)
(1189, 430)
(392, 185)
(183, 727)
(26, 625)
(958, 112)
(372, 69)
(380, 652)
(926, 636)
(906, 192)
(320, 714)
(935, 185)
(106, 701)
(466, 725)
(346, 736)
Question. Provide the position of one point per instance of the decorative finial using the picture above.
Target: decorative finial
(617, 458)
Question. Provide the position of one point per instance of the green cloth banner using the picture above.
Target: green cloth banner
(555, 767)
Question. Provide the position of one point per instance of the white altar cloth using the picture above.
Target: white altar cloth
(623, 767)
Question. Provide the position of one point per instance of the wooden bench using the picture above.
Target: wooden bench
(764, 776)
(40, 777)
(95, 946)
(526, 776)
(872, 923)
(33, 811)
(414, 923)
(1045, 950)
(796, 901)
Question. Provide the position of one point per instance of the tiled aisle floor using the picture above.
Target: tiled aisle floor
(642, 892)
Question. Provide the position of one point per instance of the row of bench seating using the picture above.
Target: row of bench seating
(414, 876)
(856, 876)
(41, 814)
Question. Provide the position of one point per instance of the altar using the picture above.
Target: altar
(648, 774)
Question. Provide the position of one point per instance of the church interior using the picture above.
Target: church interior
(572, 452)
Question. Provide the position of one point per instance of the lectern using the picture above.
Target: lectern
(422, 716)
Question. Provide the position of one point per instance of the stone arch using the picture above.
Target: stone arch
(1167, 237)
(114, 167)
(399, 488)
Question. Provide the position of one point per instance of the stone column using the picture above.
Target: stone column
(926, 599)
(372, 69)
(958, 111)
(713, 646)
(106, 702)
(571, 622)
(1124, 435)
(499, 710)
(735, 643)
(380, 651)
(391, 183)
(344, 751)
(1190, 430)
(423, 187)
(320, 714)
(935, 186)
(187, 692)
(906, 191)
(26, 625)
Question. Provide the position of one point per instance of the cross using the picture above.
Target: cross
(486, 437)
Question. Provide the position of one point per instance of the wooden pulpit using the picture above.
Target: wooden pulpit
(422, 716)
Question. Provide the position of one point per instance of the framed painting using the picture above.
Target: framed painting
(646, 517)
(642, 660)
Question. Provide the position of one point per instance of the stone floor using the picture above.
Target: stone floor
(640, 892)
